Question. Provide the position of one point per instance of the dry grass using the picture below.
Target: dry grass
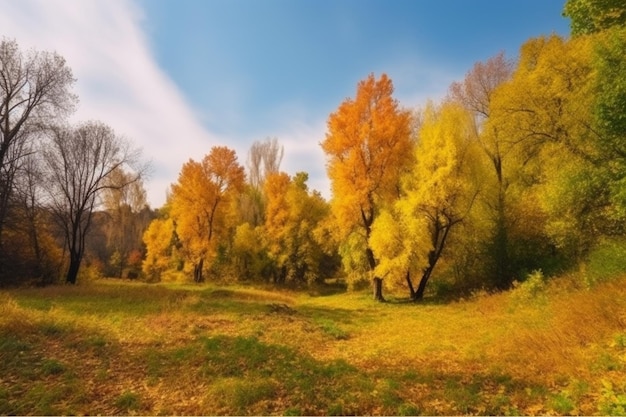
(121, 348)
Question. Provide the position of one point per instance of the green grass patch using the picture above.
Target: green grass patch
(128, 401)
(52, 367)
(332, 329)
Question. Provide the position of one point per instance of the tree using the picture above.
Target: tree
(200, 203)
(78, 164)
(124, 205)
(35, 90)
(31, 247)
(476, 94)
(590, 16)
(437, 194)
(264, 159)
(292, 216)
(368, 146)
(160, 241)
(545, 113)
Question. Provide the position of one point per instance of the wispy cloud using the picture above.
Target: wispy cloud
(118, 79)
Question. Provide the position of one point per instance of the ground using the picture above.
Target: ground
(115, 347)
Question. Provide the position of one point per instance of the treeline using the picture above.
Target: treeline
(55, 178)
(521, 167)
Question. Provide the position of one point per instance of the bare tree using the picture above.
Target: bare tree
(123, 205)
(264, 158)
(34, 91)
(78, 164)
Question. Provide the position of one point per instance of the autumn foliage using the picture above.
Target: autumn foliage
(519, 168)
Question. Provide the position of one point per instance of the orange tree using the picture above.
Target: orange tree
(368, 145)
(200, 204)
(292, 215)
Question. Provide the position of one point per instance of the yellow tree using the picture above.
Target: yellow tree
(368, 146)
(438, 193)
(476, 94)
(292, 216)
(545, 114)
(158, 239)
(200, 204)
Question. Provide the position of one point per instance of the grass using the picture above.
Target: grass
(115, 347)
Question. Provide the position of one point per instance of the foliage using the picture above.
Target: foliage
(437, 193)
(368, 146)
(531, 289)
(589, 16)
(200, 205)
(606, 261)
(160, 240)
(292, 215)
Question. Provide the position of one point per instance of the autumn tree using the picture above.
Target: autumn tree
(33, 249)
(161, 242)
(201, 203)
(35, 90)
(78, 163)
(545, 112)
(476, 94)
(368, 146)
(292, 216)
(249, 253)
(437, 194)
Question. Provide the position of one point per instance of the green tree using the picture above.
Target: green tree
(543, 114)
(610, 88)
(591, 16)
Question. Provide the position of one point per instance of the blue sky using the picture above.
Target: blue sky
(179, 76)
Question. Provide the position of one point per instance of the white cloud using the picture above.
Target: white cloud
(118, 79)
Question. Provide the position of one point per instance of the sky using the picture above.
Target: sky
(177, 77)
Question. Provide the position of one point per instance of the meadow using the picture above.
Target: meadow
(114, 347)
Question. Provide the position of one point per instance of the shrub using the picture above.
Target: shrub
(606, 261)
(532, 289)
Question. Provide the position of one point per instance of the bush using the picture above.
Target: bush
(532, 289)
(606, 261)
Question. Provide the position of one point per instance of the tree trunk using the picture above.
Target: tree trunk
(197, 271)
(378, 289)
(419, 294)
(72, 272)
(410, 284)
(377, 283)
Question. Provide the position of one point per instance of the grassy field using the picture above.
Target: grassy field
(114, 347)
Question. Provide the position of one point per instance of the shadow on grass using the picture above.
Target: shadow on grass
(243, 375)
